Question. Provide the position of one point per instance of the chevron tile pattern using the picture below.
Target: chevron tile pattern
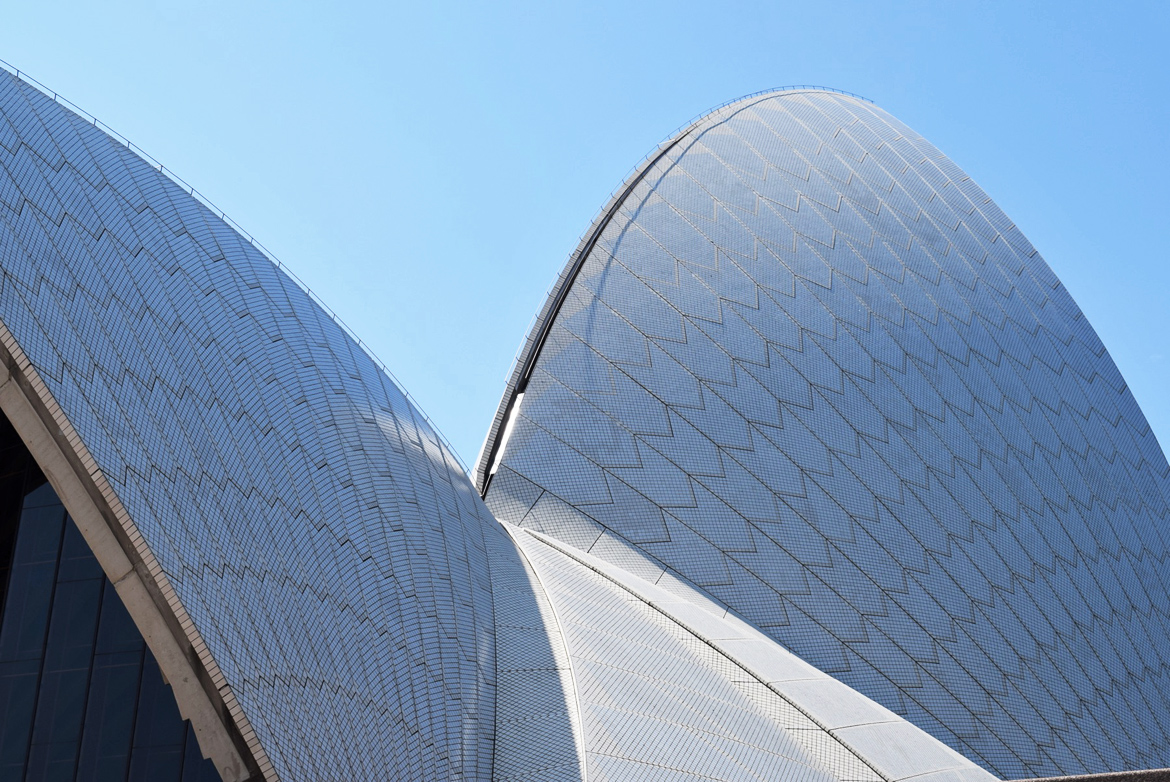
(346, 591)
(808, 388)
(811, 370)
(281, 479)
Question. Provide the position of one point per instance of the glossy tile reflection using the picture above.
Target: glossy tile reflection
(808, 368)
(806, 420)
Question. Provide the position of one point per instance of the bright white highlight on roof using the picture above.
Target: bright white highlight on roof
(507, 433)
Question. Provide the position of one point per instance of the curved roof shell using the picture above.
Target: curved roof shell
(324, 590)
(803, 364)
(295, 530)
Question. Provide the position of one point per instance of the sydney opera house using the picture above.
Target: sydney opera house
(810, 469)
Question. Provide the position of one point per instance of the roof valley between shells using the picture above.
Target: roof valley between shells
(810, 469)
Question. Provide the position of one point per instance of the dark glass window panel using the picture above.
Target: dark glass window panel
(72, 662)
(34, 568)
(18, 699)
(158, 722)
(26, 611)
(116, 630)
(51, 763)
(159, 734)
(41, 496)
(195, 767)
(109, 716)
(77, 561)
(39, 538)
(65, 678)
(74, 625)
(149, 764)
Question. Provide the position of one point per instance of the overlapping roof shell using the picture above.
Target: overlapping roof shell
(803, 364)
(330, 598)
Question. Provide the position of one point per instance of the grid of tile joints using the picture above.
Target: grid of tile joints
(537, 728)
(811, 369)
(281, 480)
(654, 699)
(666, 689)
(831, 728)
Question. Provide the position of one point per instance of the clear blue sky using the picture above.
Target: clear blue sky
(427, 168)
